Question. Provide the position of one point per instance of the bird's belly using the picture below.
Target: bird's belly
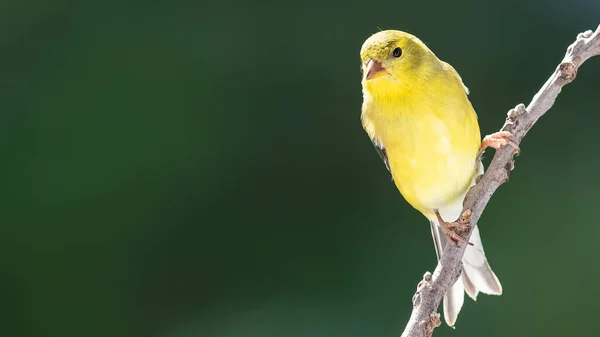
(432, 182)
(431, 169)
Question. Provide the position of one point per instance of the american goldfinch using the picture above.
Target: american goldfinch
(416, 112)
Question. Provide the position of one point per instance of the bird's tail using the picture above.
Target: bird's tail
(477, 275)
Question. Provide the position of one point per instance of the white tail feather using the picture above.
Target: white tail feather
(477, 276)
(477, 269)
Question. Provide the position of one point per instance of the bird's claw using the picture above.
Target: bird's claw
(454, 228)
(497, 140)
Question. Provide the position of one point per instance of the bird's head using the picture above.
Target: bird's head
(394, 61)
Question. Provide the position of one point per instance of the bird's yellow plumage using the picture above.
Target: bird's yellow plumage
(419, 118)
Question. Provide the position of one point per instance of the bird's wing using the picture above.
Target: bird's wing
(368, 126)
(382, 153)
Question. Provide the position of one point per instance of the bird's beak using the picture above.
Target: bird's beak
(373, 70)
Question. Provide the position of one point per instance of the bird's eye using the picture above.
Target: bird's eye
(397, 52)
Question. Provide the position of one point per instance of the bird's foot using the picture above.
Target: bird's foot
(455, 228)
(498, 140)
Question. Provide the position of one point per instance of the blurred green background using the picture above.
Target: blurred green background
(183, 168)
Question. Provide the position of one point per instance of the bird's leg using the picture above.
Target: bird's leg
(452, 229)
(498, 140)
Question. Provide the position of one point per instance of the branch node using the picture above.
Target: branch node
(584, 35)
(465, 216)
(512, 118)
(434, 322)
(568, 70)
(516, 112)
(509, 166)
(424, 285)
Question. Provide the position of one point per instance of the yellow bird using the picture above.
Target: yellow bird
(419, 118)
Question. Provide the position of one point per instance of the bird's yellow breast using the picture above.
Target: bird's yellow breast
(431, 143)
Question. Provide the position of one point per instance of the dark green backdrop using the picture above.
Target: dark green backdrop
(198, 168)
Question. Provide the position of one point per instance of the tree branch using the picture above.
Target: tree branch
(431, 289)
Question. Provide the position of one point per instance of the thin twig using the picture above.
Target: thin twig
(431, 289)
